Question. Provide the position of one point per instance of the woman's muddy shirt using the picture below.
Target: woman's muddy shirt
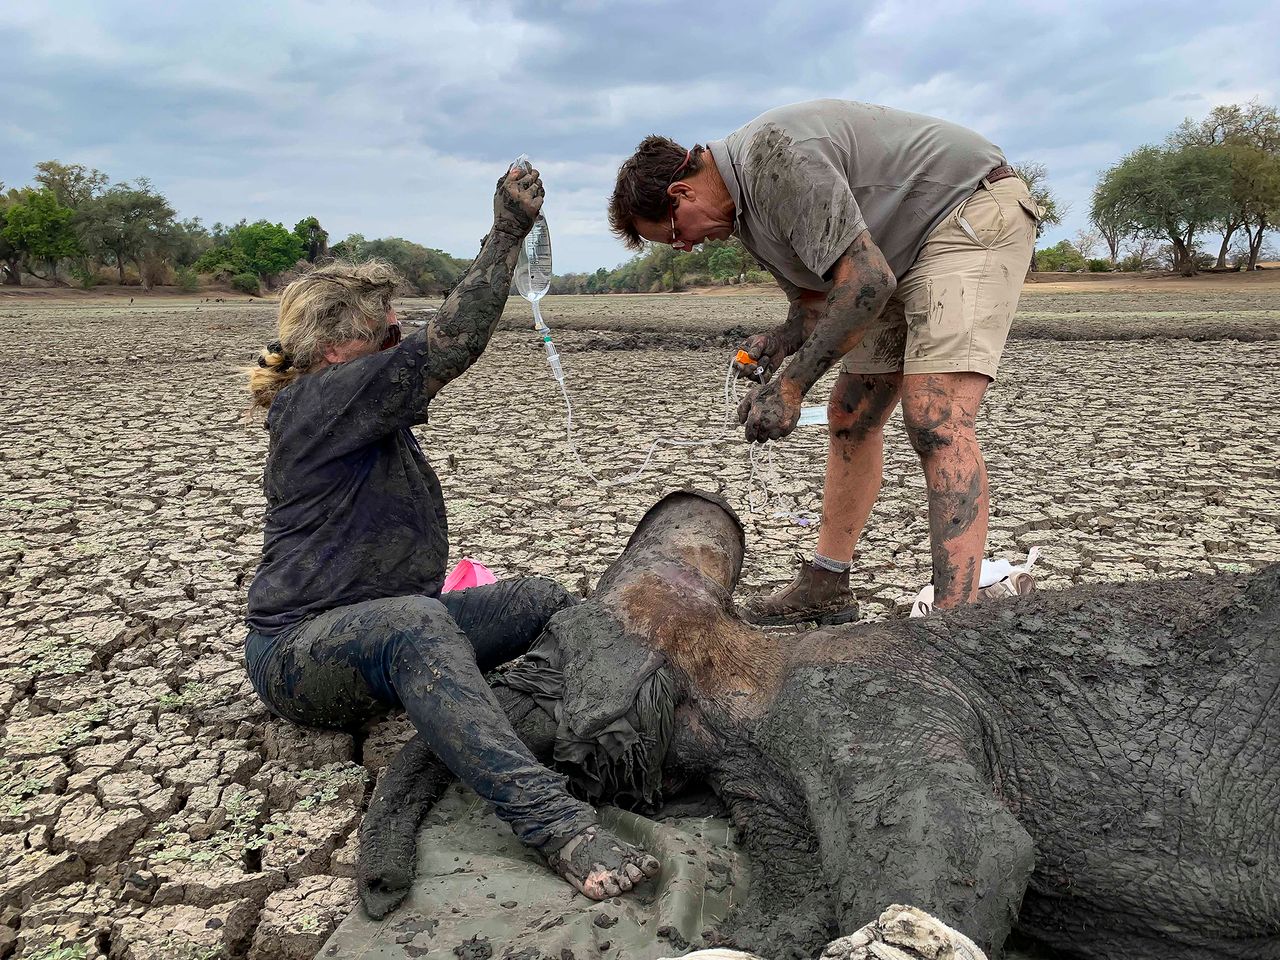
(354, 511)
(808, 178)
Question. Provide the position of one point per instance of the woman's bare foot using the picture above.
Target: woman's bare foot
(599, 865)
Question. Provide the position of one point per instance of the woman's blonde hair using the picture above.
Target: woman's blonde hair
(332, 304)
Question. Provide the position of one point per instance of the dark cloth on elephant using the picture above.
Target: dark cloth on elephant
(613, 702)
(427, 655)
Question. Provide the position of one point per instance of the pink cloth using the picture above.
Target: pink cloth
(468, 573)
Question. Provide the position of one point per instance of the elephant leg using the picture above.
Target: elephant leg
(413, 782)
(787, 913)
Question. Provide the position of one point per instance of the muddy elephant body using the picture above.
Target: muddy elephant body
(1096, 768)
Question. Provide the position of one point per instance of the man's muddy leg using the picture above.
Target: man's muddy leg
(940, 411)
(859, 407)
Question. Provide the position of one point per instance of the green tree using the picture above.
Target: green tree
(39, 228)
(72, 183)
(1110, 214)
(431, 272)
(352, 248)
(185, 241)
(1173, 193)
(263, 249)
(10, 256)
(1255, 184)
(1250, 134)
(598, 282)
(1062, 257)
(125, 223)
(725, 264)
(315, 239)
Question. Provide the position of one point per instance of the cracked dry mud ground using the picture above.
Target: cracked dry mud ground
(149, 807)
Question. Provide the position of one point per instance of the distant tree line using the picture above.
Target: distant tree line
(660, 267)
(1218, 177)
(72, 225)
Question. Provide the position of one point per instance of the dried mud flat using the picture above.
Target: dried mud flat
(149, 807)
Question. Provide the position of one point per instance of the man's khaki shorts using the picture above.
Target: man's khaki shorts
(952, 310)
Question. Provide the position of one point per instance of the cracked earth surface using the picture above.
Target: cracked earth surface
(150, 807)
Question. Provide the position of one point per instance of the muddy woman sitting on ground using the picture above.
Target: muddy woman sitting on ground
(346, 618)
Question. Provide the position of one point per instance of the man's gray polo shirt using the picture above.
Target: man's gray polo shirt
(806, 179)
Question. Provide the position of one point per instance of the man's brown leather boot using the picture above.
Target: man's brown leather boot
(814, 596)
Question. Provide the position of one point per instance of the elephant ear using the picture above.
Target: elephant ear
(604, 668)
(613, 701)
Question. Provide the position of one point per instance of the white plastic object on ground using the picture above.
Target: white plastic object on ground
(904, 933)
(992, 573)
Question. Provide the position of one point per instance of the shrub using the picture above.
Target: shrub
(84, 277)
(187, 279)
(1099, 265)
(246, 283)
(1062, 257)
(759, 276)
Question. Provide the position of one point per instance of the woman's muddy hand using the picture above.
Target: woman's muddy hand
(517, 201)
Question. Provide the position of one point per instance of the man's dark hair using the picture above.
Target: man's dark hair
(641, 190)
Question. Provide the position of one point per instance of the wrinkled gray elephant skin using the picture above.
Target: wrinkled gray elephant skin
(1095, 768)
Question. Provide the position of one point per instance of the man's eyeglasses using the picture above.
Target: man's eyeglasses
(392, 337)
(671, 204)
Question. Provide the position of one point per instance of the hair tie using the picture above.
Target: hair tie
(276, 347)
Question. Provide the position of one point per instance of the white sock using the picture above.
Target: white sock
(826, 563)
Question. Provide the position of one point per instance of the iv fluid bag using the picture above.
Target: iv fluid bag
(533, 269)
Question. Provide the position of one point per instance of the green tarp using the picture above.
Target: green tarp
(479, 893)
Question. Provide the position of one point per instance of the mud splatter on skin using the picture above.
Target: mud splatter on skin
(953, 508)
(461, 328)
(851, 306)
(868, 399)
(804, 311)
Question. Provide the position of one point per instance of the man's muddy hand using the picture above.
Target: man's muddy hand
(517, 201)
(770, 412)
(766, 350)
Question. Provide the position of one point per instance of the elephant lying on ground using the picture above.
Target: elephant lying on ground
(1098, 768)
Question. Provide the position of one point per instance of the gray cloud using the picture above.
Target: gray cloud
(395, 118)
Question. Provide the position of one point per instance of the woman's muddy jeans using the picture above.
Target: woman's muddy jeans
(346, 665)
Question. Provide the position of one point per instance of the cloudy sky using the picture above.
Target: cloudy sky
(395, 119)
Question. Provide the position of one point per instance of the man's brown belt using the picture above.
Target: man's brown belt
(1002, 172)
